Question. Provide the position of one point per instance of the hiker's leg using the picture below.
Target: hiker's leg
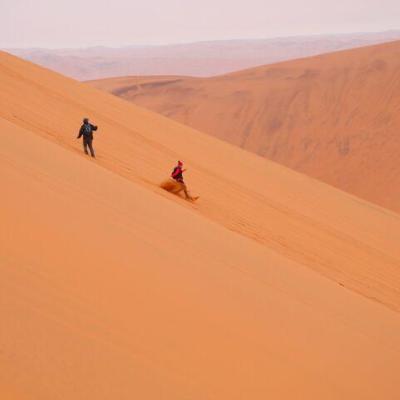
(85, 146)
(90, 144)
(186, 192)
(178, 187)
(182, 187)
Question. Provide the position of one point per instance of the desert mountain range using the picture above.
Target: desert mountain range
(193, 59)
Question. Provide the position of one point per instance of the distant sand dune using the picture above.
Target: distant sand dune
(334, 117)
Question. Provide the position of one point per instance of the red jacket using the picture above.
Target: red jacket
(177, 174)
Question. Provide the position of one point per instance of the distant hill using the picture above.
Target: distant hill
(193, 59)
(335, 117)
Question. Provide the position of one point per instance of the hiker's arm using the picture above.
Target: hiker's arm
(94, 127)
(80, 132)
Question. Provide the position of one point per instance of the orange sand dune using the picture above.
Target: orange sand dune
(113, 288)
(294, 215)
(334, 117)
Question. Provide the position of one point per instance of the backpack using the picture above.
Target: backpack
(87, 129)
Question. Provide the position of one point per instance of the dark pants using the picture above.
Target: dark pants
(87, 142)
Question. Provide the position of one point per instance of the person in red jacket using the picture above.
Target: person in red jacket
(177, 175)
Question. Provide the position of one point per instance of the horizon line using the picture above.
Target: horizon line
(390, 30)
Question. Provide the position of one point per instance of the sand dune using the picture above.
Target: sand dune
(334, 117)
(113, 288)
(193, 59)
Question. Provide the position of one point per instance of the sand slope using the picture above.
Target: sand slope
(334, 117)
(111, 288)
(289, 212)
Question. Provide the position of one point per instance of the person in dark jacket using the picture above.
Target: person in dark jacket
(86, 131)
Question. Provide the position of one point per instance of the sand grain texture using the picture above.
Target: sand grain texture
(113, 288)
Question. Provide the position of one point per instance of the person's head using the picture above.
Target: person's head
(180, 163)
(85, 120)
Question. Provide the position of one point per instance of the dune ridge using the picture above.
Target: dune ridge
(113, 288)
(334, 117)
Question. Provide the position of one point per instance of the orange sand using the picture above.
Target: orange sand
(334, 117)
(112, 288)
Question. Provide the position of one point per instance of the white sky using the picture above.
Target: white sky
(80, 23)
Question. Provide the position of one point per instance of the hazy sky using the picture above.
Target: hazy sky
(79, 23)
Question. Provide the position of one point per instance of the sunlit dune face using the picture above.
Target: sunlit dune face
(333, 117)
(271, 285)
